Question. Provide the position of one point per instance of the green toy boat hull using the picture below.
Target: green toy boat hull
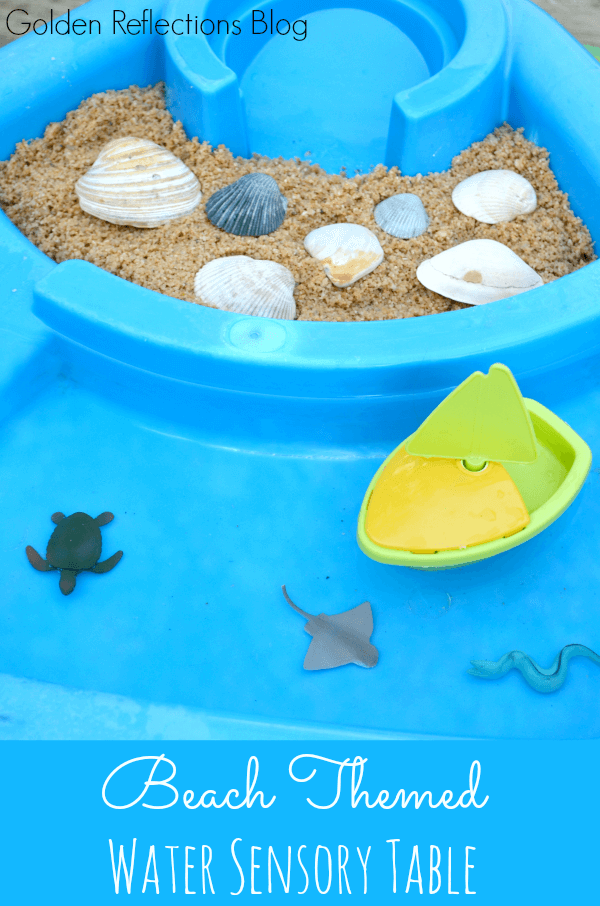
(548, 486)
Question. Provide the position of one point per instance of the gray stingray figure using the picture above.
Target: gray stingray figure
(75, 545)
(338, 639)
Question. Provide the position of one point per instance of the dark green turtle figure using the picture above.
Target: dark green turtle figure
(75, 545)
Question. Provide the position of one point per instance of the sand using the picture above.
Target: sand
(37, 193)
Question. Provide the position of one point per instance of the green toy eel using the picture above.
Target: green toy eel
(539, 678)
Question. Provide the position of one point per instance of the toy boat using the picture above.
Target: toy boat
(485, 472)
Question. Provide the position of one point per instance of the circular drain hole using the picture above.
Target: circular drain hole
(267, 336)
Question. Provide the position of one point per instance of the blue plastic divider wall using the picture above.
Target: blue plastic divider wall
(463, 42)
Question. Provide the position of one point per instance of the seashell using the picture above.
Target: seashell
(137, 183)
(348, 251)
(478, 271)
(247, 286)
(495, 196)
(402, 216)
(250, 206)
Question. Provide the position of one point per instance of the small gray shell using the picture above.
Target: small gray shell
(250, 206)
(402, 216)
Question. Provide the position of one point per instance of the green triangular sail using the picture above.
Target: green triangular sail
(485, 419)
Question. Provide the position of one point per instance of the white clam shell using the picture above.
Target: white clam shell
(247, 286)
(495, 196)
(402, 216)
(477, 272)
(348, 251)
(137, 183)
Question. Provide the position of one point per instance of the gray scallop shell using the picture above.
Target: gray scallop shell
(248, 286)
(403, 216)
(250, 206)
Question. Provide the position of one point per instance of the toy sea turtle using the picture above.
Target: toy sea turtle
(75, 545)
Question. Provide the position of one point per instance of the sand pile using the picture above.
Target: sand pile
(37, 193)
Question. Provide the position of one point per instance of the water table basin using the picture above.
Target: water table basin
(235, 452)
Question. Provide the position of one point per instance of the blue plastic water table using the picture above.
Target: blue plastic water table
(235, 451)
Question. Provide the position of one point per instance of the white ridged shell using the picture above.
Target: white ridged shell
(477, 272)
(135, 182)
(348, 251)
(248, 286)
(495, 196)
(402, 216)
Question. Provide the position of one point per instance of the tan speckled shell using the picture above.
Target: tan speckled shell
(248, 286)
(137, 183)
(348, 251)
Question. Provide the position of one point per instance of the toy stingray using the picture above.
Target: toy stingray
(340, 638)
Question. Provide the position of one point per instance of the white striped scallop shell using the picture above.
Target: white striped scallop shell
(135, 182)
(248, 286)
(347, 251)
(495, 196)
(402, 216)
(478, 271)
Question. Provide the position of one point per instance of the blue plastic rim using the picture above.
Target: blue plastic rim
(235, 452)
